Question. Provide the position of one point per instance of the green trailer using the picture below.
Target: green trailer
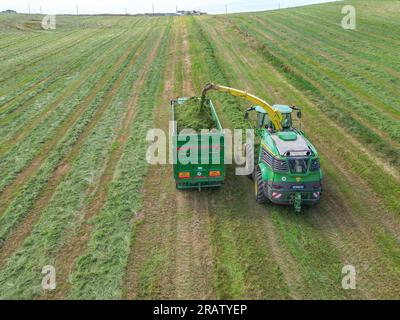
(198, 159)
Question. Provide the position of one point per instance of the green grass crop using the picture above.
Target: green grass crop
(18, 157)
(36, 104)
(296, 231)
(214, 73)
(77, 192)
(63, 213)
(99, 272)
(15, 212)
(332, 108)
(229, 274)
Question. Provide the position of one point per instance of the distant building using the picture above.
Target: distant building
(167, 14)
(191, 13)
(9, 11)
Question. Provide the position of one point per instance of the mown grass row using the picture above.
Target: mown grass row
(33, 77)
(59, 80)
(25, 198)
(179, 71)
(32, 82)
(227, 102)
(333, 110)
(23, 43)
(56, 40)
(99, 273)
(63, 213)
(19, 156)
(32, 44)
(28, 41)
(38, 108)
(370, 27)
(155, 260)
(303, 242)
(16, 41)
(57, 62)
(364, 78)
(378, 50)
(243, 263)
(10, 34)
(27, 69)
(362, 97)
(360, 164)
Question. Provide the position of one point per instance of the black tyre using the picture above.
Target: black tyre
(259, 190)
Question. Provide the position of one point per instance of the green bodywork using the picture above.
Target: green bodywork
(288, 162)
(206, 152)
(292, 178)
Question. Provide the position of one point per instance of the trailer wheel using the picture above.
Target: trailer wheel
(260, 194)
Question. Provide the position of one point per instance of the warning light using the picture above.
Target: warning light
(184, 175)
(215, 173)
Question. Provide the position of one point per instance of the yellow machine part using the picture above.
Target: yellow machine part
(274, 115)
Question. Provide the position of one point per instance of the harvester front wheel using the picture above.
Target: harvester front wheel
(259, 190)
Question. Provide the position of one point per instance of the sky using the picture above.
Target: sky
(135, 6)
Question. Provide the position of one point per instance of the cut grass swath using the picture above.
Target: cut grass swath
(62, 214)
(106, 257)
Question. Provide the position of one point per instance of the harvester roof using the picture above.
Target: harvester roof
(279, 107)
(291, 143)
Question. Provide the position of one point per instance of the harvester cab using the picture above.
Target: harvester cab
(264, 121)
(288, 169)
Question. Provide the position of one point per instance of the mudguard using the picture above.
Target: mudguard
(266, 172)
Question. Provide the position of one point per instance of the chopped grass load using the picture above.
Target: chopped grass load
(190, 115)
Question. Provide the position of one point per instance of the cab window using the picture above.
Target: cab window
(286, 120)
(260, 119)
(263, 120)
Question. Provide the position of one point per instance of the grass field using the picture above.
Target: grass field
(77, 193)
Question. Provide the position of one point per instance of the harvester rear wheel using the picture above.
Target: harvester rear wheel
(259, 189)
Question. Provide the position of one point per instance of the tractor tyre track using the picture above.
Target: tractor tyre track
(171, 228)
(160, 202)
